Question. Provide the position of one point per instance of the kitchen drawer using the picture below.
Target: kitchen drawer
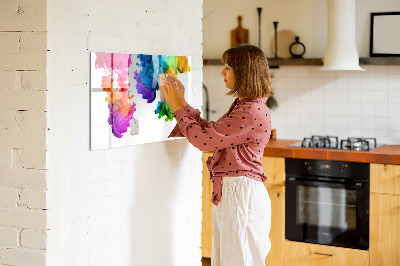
(305, 254)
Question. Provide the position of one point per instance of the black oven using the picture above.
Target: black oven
(327, 202)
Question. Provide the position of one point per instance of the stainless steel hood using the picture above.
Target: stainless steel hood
(341, 51)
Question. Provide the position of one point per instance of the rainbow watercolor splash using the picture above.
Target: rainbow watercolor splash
(115, 82)
(151, 67)
(164, 110)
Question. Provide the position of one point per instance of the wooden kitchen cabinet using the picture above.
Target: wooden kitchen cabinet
(384, 215)
(274, 168)
(277, 233)
(385, 178)
(305, 254)
(206, 225)
(384, 236)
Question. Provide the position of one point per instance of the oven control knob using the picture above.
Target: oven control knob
(308, 166)
(343, 168)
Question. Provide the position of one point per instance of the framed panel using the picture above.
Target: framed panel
(126, 105)
(384, 35)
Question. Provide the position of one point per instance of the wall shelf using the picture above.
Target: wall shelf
(274, 63)
(380, 61)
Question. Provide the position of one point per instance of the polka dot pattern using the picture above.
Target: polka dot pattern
(238, 139)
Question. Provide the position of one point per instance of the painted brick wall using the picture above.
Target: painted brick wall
(23, 125)
(138, 205)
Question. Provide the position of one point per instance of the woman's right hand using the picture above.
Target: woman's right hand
(181, 90)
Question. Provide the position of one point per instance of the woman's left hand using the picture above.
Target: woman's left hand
(171, 96)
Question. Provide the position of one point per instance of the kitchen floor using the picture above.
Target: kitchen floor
(206, 261)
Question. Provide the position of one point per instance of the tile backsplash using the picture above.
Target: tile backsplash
(314, 102)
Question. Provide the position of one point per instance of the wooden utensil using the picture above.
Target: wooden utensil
(239, 35)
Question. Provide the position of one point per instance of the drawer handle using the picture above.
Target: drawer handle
(324, 254)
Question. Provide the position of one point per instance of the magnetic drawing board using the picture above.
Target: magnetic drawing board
(126, 106)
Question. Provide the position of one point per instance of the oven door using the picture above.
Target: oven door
(327, 213)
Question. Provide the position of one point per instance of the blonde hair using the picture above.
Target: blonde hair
(250, 66)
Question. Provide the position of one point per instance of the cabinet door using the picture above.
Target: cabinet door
(304, 254)
(385, 178)
(206, 226)
(277, 233)
(384, 230)
(274, 168)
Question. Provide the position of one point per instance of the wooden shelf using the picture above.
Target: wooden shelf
(380, 61)
(212, 62)
(274, 63)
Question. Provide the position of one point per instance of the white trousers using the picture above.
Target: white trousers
(241, 223)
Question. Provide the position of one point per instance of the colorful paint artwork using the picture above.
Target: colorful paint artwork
(125, 89)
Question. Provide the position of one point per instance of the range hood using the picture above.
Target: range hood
(341, 51)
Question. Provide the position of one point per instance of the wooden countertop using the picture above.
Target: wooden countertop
(389, 154)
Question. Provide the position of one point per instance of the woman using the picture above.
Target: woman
(242, 208)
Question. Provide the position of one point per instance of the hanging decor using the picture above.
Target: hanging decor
(276, 38)
(297, 49)
(259, 9)
(239, 35)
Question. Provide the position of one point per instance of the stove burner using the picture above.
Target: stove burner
(328, 142)
(358, 144)
(332, 142)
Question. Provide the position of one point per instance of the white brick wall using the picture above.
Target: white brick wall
(33, 239)
(8, 197)
(9, 237)
(110, 207)
(23, 126)
(138, 205)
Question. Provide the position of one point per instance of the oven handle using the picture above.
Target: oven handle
(357, 185)
(324, 254)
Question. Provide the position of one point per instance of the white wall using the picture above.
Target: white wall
(343, 104)
(23, 133)
(311, 102)
(138, 205)
(306, 19)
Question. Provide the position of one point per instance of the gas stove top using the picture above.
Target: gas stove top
(332, 142)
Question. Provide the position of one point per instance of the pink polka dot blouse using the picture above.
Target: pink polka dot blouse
(238, 139)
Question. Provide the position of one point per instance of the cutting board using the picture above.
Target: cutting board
(239, 35)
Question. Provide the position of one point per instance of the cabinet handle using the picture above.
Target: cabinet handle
(324, 254)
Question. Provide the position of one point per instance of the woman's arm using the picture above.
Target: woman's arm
(193, 113)
(239, 127)
(174, 93)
